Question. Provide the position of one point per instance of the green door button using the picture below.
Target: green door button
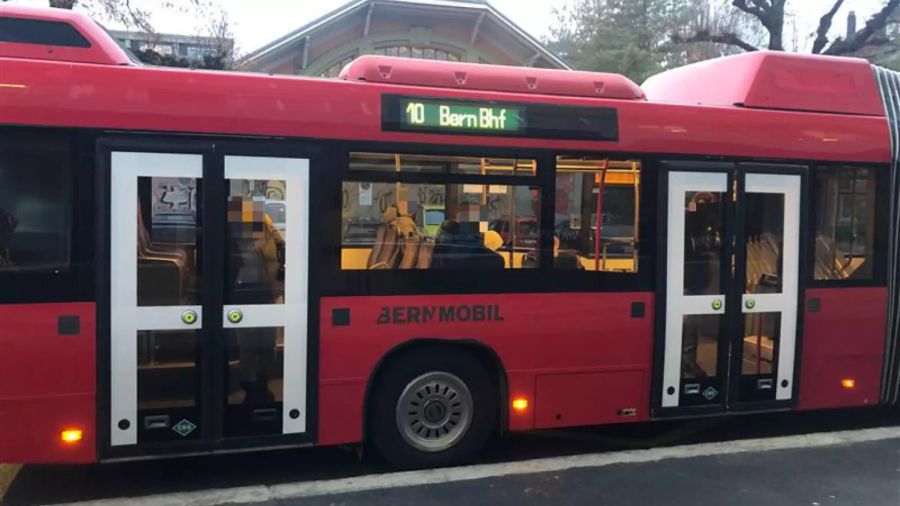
(235, 316)
(750, 303)
(189, 317)
(717, 304)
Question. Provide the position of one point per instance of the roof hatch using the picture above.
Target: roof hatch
(773, 80)
(473, 76)
(58, 35)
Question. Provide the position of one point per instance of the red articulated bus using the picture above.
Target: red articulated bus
(424, 254)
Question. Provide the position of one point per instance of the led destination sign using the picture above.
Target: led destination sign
(449, 115)
(453, 116)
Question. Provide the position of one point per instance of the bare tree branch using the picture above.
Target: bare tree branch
(770, 14)
(824, 26)
(863, 37)
(728, 38)
(751, 8)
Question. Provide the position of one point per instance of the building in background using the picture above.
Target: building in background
(171, 49)
(452, 30)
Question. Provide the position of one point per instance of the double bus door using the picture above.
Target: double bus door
(208, 299)
(731, 285)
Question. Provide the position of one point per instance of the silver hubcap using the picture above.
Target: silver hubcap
(434, 411)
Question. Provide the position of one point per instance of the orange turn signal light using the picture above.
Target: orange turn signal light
(520, 404)
(71, 436)
(848, 383)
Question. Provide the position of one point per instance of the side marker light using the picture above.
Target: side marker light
(520, 404)
(71, 436)
(848, 383)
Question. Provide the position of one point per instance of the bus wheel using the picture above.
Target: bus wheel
(432, 411)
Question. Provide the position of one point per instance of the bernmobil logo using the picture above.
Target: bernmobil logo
(425, 314)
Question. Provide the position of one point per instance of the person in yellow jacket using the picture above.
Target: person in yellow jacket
(256, 266)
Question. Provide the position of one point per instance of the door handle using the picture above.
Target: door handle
(235, 316)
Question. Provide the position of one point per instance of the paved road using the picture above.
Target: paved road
(846, 474)
(55, 484)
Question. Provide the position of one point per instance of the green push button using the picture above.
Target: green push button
(235, 316)
(717, 304)
(750, 303)
(189, 317)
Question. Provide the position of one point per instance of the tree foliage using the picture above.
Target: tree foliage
(641, 37)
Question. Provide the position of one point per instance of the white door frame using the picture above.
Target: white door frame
(126, 317)
(785, 302)
(291, 315)
(679, 305)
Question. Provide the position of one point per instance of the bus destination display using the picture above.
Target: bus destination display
(428, 114)
(452, 116)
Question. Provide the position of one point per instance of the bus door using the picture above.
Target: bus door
(208, 276)
(730, 284)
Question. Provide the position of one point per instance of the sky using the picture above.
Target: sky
(257, 22)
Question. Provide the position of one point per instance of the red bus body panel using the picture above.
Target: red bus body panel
(844, 339)
(47, 383)
(174, 100)
(579, 358)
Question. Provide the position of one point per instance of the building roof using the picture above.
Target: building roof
(480, 7)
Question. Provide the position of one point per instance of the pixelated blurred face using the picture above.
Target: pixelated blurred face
(246, 217)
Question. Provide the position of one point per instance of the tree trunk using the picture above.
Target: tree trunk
(63, 4)
(775, 25)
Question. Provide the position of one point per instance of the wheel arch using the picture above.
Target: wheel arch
(485, 354)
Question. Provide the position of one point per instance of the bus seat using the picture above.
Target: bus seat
(426, 251)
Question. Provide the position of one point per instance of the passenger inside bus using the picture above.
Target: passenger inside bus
(255, 276)
(462, 246)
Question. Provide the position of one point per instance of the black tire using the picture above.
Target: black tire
(384, 430)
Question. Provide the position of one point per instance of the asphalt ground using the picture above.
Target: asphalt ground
(866, 473)
(308, 467)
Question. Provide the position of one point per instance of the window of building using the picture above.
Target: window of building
(596, 215)
(845, 223)
(419, 51)
(438, 224)
(335, 70)
(35, 31)
(35, 203)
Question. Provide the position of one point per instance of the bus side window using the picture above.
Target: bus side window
(442, 223)
(439, 226)
(596, 217)
(35, 203)
(844, 223)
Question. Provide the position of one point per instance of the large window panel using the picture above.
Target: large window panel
(35, 203)
(439, 224)
(844, 223)
(596, 214)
